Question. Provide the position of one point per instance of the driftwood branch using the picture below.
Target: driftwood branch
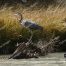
(22, 46)
(24, 50)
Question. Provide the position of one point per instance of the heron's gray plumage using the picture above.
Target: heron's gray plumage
(28, 23)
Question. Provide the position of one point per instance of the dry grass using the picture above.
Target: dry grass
(12, 28)
(50, 19)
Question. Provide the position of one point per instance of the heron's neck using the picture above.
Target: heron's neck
(23, 22)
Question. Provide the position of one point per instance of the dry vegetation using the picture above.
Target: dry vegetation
(53, 20)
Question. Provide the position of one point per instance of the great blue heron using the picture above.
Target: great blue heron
(28, 23)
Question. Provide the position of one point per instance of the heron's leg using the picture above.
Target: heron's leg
(31, 35)
(30, 39)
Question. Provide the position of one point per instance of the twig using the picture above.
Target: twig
(6, 43)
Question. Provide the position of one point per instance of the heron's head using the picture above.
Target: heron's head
(19, 16)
